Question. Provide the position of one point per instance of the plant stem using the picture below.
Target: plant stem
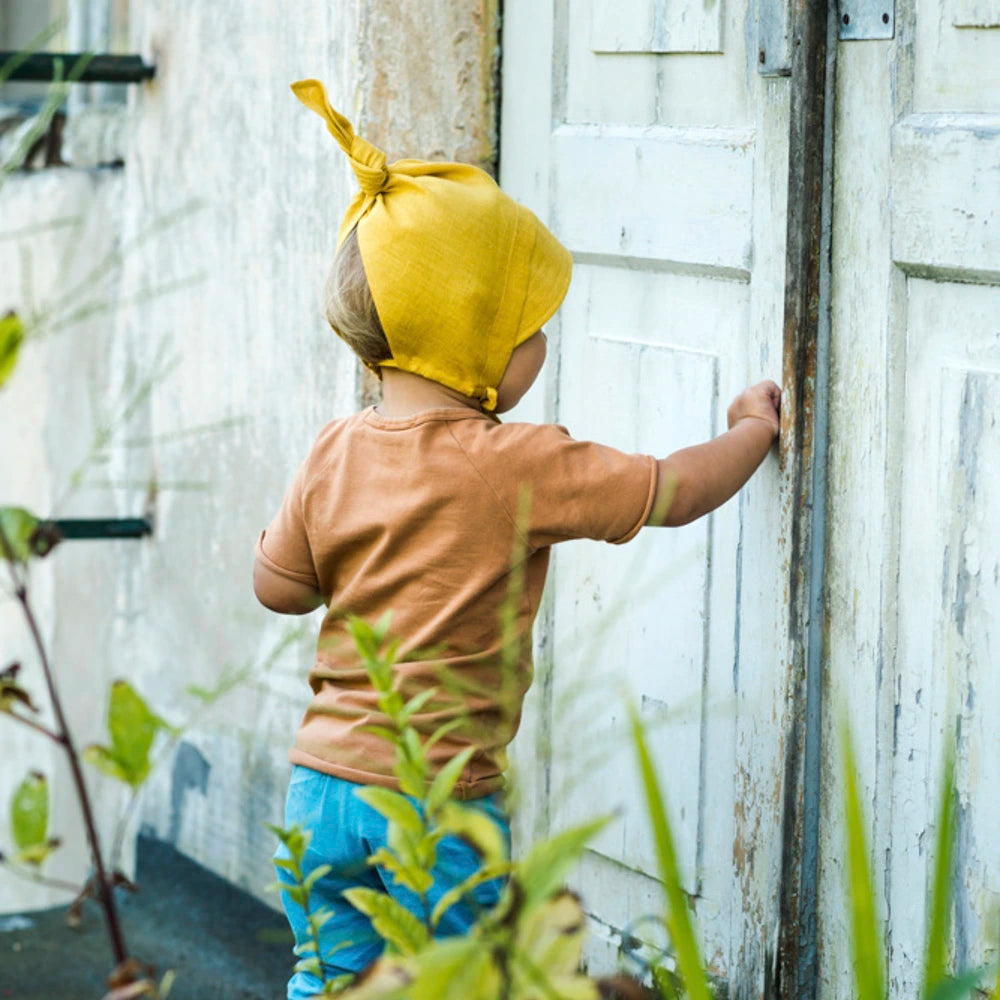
(30, 876)
(38, 727)
(105, 895)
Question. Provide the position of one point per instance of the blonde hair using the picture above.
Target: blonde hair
(350, 308)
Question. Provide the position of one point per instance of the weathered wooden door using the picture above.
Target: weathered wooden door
(914, 543)
(643, 134)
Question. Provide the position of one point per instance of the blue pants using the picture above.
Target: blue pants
(345, 831)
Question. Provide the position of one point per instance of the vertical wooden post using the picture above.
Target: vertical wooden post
(804, 405)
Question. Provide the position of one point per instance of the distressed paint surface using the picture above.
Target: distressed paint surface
(229, 205)
(60, 391)
(912, 592)
(956, 67)
(665, 176)
(656, 26)
(976, 14)
(641, 88)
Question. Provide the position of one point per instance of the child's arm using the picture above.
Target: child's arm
(696, 480)
(277, 592)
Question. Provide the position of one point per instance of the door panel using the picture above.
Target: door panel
(912, 579)
(647, 144)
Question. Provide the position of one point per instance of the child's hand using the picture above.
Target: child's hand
(762, 401)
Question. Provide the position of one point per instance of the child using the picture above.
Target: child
(441, 284)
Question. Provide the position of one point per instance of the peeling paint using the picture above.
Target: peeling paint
(190, 773)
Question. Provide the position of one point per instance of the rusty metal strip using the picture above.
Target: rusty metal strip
(804, 406)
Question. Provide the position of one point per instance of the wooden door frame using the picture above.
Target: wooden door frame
(805, 429)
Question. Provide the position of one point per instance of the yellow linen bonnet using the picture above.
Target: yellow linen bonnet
(459, 272)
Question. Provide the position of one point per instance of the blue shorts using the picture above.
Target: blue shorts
(345, 831)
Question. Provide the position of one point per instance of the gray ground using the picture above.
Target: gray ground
(223, 943)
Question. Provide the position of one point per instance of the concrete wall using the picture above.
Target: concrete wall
(226, 213)
(56, 230)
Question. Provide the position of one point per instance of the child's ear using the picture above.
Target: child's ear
(521, 371)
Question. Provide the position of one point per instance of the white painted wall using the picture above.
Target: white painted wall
(226, 215)
(55, 229)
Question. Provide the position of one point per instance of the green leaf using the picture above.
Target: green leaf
(167, 983)
(297, 894)
(296, 839)
(391, 920)
(544, 869)
(394, 806)
(29, 817)
(315, 875)
(476, 829)
(11, 693)
(550, 940)
(959, 987)
(446, 779)
(939, 909)
(413, 706)
(459, 968)
(678, 918)
(389, 735)
(336, 985)
(667, 983)
(310, 965)
(411, 776)
(11, 338)
(405, 870)
(441, 732)
(18, 527)
(457, 892)
(869, 963)
(380, 630)
(391, 704)
(132, 727)
(104, 759)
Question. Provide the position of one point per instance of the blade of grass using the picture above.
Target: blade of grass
(866, 941)
(35, 45)
(56, 95)
(936, 949)
(689, 961)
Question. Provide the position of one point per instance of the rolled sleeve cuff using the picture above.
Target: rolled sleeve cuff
(647, 507)
(289, 574)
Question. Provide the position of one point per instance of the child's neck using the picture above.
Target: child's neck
(404, 394)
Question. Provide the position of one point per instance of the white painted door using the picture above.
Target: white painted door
(914, 570)
(644, 135)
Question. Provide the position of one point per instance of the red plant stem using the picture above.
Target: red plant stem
(106, 898)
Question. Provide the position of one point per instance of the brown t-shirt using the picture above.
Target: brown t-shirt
(445, 519)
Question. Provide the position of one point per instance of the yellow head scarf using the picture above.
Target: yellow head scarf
(459, 272)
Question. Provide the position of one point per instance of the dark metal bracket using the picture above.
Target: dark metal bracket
(41, 67)
(73, 529)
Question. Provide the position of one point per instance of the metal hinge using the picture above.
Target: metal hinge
(864, 20)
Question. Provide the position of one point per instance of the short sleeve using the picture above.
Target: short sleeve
(576, 489)
(283, 547)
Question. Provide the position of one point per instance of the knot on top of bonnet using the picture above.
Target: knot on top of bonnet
(367, 161)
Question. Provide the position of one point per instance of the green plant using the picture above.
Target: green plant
(296, 840)
(692, 980)
(527, 948)
(869, 957)
(132, 727)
